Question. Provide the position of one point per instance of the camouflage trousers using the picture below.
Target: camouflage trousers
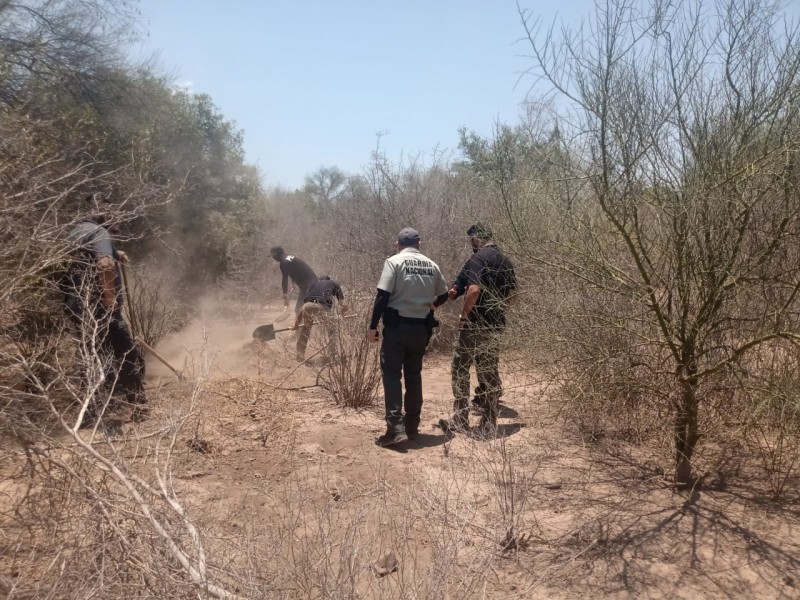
(314, 312)
(479, 346)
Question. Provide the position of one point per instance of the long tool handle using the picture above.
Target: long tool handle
(312, 323)
(131, 314)
(161, 358)
(132, 319)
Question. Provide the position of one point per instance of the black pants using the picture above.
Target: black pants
(402, 351)
(123, 362)
(127, 358)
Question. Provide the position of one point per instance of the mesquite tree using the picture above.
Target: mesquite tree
(682, 122)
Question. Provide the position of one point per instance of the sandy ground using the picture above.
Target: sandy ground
(587, 521)
(294, 498)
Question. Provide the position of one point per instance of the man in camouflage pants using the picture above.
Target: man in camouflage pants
(488, 281)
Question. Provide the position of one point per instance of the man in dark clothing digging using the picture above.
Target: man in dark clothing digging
(318, 308)
(300, 273)
(93, 300)
(490, 283)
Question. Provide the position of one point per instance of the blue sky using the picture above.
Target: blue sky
(313, 82)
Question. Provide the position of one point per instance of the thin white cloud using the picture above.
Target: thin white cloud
(184, 85)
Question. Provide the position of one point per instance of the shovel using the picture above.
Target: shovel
(132, 322)
(266, 333)
(161, 359)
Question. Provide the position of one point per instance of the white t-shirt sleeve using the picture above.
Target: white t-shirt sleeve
(388, 277)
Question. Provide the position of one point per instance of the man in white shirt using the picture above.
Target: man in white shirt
(410, 282)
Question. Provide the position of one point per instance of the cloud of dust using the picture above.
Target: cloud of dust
(220, 336)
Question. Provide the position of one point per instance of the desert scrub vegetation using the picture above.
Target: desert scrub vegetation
(668, 204)
(648, 198)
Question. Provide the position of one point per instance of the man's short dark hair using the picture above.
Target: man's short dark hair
(97, 208)
(97, 199)
(480, 231)
(277, 251)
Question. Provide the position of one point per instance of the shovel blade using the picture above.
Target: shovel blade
(265, 333)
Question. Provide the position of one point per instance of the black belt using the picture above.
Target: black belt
(410, 320)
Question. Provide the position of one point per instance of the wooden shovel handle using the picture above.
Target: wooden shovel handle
(160, 358)
(128, 303)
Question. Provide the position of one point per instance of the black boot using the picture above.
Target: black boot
(140, 413)
(89, 419)
(487, 429)
(138, 399)
(392, 437)
(412, 428)
(457, 424)
(479, 401)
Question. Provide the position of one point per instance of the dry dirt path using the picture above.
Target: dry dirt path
(534, 513)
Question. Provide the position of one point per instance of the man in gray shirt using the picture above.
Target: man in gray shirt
(93, 298)
(409, 284)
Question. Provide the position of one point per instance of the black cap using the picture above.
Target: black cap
(408, 237)
(480, 231)
(277, 252)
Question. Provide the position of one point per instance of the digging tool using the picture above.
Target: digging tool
(266, 333)
(125, 280)
(132, 321)
(163, 360)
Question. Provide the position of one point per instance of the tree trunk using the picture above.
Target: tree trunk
(685, 433)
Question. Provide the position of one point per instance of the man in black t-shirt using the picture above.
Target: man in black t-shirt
(317, 308)
(489, 281)
(300, 273)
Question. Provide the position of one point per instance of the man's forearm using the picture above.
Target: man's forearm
(108, 283)
(473, 292)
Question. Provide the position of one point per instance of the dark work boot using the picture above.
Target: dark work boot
(412, 428)
(487, 429)
(391, 437)
(479, 401)
(92, 414)
(136, 397)
(89, 419)
(140, 413)
(456, 424)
